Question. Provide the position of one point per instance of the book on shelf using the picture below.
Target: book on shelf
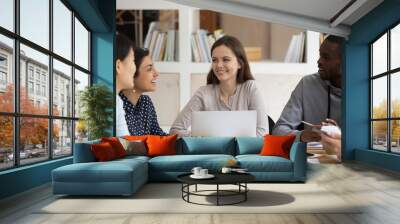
(295, 52)
(152, 26)
(162, 45)
(201, 43)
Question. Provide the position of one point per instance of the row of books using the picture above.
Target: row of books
(295, 52)
(163, 46)
(201, 42)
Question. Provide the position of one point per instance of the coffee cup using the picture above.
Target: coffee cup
(226, 170)
(196, 170)
(203, 172)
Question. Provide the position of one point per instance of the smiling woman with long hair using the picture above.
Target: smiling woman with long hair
(230, 86)
(140, 113)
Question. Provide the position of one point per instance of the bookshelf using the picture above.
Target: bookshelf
(185, 71)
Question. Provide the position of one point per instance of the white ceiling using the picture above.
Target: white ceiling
(321, 9)
(313, 15)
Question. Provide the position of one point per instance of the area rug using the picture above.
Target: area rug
(167, 198)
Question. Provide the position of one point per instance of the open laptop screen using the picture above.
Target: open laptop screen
(224, 123)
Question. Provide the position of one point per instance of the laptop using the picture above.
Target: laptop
(224, 123)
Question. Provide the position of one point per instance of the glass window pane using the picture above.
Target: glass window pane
(7, 14)
(6, 142)
(379, 135)
(395, 136)
(379, 55)
(81, 131)
(33, 140)
(395, 94)
(62, 29)
(81, 45)
(6, 74)
(34, 97)
(395, 47)
(62, 89)
(62, 141)
(35, 21)
(379, 97)
(81, 81)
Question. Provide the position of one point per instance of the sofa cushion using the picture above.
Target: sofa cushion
(207, 145)
(257, 163)
(185, 163)
(275, 145)
(83, 152)
(112, 171)
(161, 145)
(134, 147)
(116, 145)
(103, 152)
(249, 145)
(136, 137)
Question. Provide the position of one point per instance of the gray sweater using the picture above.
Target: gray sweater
(309, 102)
(208, 98)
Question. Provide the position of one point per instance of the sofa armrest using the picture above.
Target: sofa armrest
(298, 156)
(83, 152)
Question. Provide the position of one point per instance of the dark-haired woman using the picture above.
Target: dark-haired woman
(125, 68)
(230, 86)
(140, 113)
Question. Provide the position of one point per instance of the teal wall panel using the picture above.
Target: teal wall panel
(24, 178)
(356, 92)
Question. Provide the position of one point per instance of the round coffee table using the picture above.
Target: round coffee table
(238, 179)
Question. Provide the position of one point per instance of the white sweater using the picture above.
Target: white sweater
(121, 127)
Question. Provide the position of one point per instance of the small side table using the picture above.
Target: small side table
(238, 179)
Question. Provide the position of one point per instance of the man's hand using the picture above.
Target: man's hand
(332, 144)
(310, 136)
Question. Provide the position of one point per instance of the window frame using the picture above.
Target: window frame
(388, 74)
(16, 114)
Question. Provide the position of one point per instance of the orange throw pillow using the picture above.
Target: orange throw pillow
(277, 145)
(161, 145)
(103, 152)
(116, 145)
(135, 138)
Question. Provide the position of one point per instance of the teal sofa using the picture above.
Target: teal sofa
(125, 176)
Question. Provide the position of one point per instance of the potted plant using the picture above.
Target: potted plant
(96, 103)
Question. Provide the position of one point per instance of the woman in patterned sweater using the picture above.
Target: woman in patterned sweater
(140, 113)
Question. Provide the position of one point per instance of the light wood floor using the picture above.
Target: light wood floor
(378, 188)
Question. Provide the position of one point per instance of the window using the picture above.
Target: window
(3, 78)
(3, 72)
(38, 89)
(7, 14)
(3, 61)
(30, 73)
(54, 126)
(81, 45)
(30, 87)
(43, 90)
(7, 88)
(37, 74)
(385, 94)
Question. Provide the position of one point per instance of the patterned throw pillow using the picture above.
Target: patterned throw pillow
(134, 147)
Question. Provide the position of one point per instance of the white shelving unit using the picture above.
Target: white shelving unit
(189, 23)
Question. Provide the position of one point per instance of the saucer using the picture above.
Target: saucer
(208, 176)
